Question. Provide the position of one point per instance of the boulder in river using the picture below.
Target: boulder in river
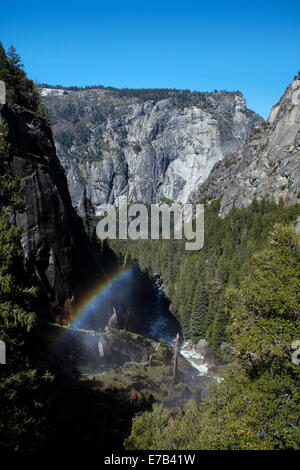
(209, 356)
(202, 346)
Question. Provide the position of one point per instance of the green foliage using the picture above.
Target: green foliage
(196, 282)
(65, 138)
(19, 89)
(198, 313)
(265, 310)
(15, 298)
(148, 429)
(22, 420)
(166, 200)
(257, 404)
(137, 148)
(22, 424)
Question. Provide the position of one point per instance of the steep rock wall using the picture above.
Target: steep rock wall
(56, 249)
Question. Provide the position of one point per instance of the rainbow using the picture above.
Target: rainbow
(90, 304)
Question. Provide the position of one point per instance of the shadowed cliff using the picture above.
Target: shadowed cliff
(56, 249)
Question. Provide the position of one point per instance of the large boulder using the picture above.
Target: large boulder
(209, 356)
(202, 346)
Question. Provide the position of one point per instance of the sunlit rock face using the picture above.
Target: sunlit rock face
(267, 166)
(115, 143)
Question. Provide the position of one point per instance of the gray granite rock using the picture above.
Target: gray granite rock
(202, 346)
(143, 149)
(268, 165)
(56, 249)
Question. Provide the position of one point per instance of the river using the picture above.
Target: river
(161, 328)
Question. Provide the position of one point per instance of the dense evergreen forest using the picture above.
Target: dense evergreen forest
(196, 282)
(257, 404)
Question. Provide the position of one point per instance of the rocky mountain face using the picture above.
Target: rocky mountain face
(267, 165)
(143, 144)
(56, 249)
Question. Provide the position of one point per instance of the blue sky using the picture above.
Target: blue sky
(251, 46)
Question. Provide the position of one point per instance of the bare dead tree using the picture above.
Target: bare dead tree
(175, 357)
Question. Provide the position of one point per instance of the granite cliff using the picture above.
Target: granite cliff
(268, 165)
(143, 144)
(56, 250)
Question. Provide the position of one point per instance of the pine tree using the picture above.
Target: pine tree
(19, 89)
(218, 331)
(185, 313)
(13, 58)
(199, 310)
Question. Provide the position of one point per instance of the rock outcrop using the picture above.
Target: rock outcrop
(56, 249)
(268, 164)
(143, 144)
